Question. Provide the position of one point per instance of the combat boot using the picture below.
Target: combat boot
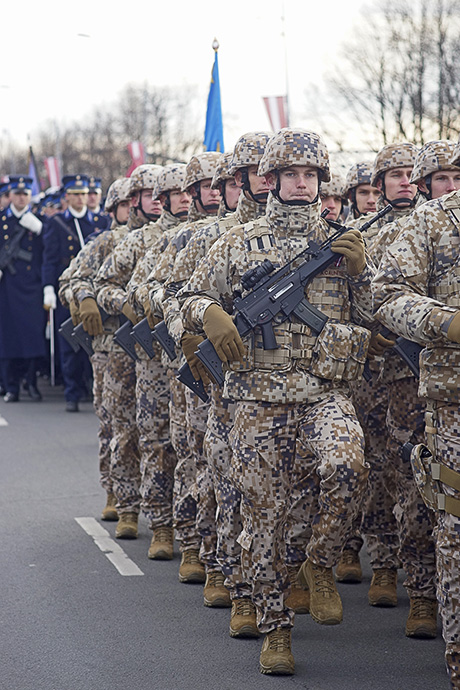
(349, 567)
(276, 656)
(299, 598)
(191, 569)
(453, 664)
(161, 547)
(214, 592)
(325, 602)
(382, 591)
(127, 526)
(109, 512)
(243, 621)
(422, 621)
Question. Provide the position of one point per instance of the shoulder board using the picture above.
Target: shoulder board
(451, 201)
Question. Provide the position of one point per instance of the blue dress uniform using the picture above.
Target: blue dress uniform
(22, 323)
(65, 235)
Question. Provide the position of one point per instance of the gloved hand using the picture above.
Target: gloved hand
(74, 312)
(351, 245)
(223, 334)
(189, 344)
(152, 320)
(453, 332)
(31, 222)
(378, 345)
(91, 316)
(49, 298)
(129, 312)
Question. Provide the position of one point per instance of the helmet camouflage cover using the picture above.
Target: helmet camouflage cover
(249, 150)
(222, 173)
(171, 177)
(433, 156)
(119, 190)
(399, 155)
(201, 166)
(334, 187)
(455, 160)
(143, 177)
(359, 173)
(295, 147)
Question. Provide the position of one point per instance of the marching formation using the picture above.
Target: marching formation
(274, 355)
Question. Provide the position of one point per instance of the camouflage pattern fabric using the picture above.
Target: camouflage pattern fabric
(99, 363)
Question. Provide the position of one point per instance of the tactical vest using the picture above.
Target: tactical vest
(304, 365)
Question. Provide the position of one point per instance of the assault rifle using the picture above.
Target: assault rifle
(66, 329)
(144, 336)
(280, 294)
(83, 339)
(12, 251)
(407, 350)
(125, 340)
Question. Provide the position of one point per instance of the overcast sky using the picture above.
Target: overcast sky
(60, 59)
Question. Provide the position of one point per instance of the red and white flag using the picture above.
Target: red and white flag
(137, 153)
(277, 111)
(52, 170)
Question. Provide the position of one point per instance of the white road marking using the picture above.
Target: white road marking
(3, 421)
(107, 545)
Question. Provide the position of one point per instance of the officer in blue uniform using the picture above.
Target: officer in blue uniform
(5, 193)
(65, 235)
(22, 326)
(101, 218)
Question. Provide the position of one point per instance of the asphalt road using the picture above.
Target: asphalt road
(69, 620)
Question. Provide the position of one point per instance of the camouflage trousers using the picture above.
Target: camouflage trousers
(278, 448)
(228, 522)
(158, 459)
(184, 487)
(205, 521)
(376, 522)
(405, 422)
(99, 362)
(443, 439)
(120, 392)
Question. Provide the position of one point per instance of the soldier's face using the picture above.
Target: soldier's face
(94, 199)
(210, 198)
(232, 192)
(397, 184)
(180, 202)
(442, 182)
(122, 212)
(366, 198)
(297, 183)
(77, 200)
(149, 204)
(20, 200)
(257, 184)
(334, 206)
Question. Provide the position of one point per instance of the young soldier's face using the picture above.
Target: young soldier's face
(297, 183)
(442, 182)
(149, 204)
(334, 206)
(77, 200)
(232, 192)
(20, 200)
(366, 198)
(180, 202)
(122, 212)
(397, 184)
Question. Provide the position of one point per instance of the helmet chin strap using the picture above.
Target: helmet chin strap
(149, 216)
(246, 186)
(116, 217)
(399, 202)
(276, 194)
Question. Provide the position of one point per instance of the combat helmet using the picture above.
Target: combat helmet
(170, 178)
(455, 160)
(249, 150)
(399, 155)
(334, 187)
(433, 156)
(295, 147)
(359, 173)
(201, 166)
(119, 190)
(222, 170)
(143, 177)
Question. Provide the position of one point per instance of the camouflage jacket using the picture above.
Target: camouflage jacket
(417, 291)
(303, 368)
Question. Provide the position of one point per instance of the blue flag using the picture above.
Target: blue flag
(214, 130)
(33, 173)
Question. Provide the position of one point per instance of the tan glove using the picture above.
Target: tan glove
(223, 334)
(378, 345)
(152, 320)
(189, 344)
(351, 245)
(90, 316)
(129, 312)
(453, 332)
(74, 312)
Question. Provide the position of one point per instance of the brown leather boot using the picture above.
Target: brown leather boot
(299, 597)
(127, 526)
(191, 569)
(325, 601)
(382, 591)
(161, 547)
(109, 512)
(243, 619)
(276, 656)
(215, 593)
(348, 569)
(422, 621)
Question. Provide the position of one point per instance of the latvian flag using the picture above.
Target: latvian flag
(277, 111)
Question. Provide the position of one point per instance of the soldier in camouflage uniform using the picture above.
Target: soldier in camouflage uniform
(76, 283)
(417, 296)
(120, 376)
(222, 558)
(404, 422)
(359, 191)
(333, 198)
(226, 183)
(295, 426)
(188, 413)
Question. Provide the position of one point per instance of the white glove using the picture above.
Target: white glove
(31, 222)
(49, 297)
